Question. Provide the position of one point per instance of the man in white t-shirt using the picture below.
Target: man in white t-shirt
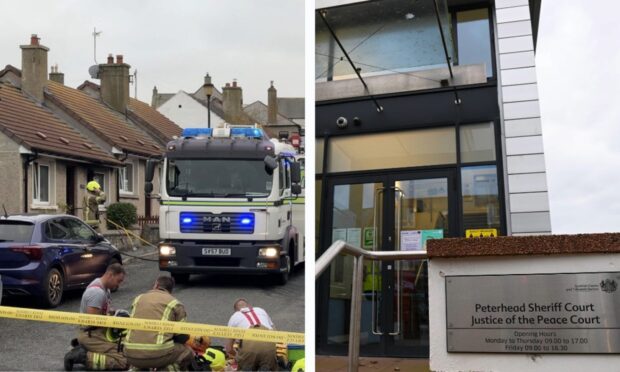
(252, 355)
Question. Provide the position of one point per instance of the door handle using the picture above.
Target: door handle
(374, 302)
(399, 310)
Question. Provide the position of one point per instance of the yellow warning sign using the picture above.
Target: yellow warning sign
(481, 233)
(151, 325)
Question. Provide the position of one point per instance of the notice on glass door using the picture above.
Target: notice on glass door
(354, 236)
(410, 240)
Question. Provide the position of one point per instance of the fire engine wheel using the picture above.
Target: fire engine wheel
(285, 261)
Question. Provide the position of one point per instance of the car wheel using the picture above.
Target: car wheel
(284, 275)
(53, 287)
(180, 278)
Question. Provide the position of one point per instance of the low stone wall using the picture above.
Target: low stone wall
(121, 241)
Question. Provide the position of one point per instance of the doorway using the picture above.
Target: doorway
(398, 210)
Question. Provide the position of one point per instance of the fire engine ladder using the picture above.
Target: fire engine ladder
(359, 255)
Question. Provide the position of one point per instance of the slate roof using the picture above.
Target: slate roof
(106, 123)
(37, 128)
(259, 112)
(292, 108)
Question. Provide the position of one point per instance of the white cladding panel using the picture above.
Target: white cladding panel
(516, 44)
(525, 164)
(522, 127)
(509, 3)
(521, 110)
(519, 76)
(524, 145)
(530, 222)
(529, 202)
(529, 182)
(526, 92)
(511, 29)
(520, 13)
(517, 60)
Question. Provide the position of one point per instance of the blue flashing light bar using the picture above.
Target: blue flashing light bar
(246, 132)
(197, 132)
(234, 132)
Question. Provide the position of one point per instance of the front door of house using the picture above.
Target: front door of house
(385, 212)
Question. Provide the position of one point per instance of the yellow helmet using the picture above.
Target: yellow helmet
(299, 365)
(92, 186)
(216, 359)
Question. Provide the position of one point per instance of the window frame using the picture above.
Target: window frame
(123, 175)
(36, 182)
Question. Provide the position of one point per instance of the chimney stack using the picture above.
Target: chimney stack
(115, 83)
(56, 76)
(34, 68)
(233, 103)
(272, 105)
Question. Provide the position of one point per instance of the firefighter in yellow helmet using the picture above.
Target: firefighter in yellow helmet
(150, 349)
(95, 197)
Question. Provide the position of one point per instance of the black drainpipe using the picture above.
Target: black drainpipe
(28, 159)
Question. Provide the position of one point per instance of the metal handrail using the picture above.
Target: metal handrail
(359, 255)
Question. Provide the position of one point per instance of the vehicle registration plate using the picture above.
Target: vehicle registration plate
(216, 251)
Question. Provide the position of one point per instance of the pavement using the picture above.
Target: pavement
(340, 363)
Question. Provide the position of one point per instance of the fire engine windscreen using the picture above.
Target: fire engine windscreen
(218, 178)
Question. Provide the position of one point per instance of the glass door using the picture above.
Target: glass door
(398, 211)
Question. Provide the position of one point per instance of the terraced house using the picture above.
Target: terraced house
(56, 138)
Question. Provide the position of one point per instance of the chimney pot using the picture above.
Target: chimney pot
(119, 59)
(34, 39)
(110, 59)
(234, 83)
(227, 85)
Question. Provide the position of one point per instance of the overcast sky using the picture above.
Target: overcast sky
(578, 82)
(172, 44)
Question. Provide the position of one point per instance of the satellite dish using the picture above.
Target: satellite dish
(94, 71)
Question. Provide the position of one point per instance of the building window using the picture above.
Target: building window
(477, 143)
(474, 38)
(126, 176)
(42, 183)
(404, 149)
(480, 197)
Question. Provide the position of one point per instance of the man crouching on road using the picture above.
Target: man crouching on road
(96, 351)
(252, 355)
(146, 349)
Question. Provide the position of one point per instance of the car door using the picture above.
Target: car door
(96, 253)
(59, 237)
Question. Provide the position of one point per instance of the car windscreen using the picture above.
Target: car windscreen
(232, 178)
(15, 231)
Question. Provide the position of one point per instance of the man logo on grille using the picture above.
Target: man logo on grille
(216, 222)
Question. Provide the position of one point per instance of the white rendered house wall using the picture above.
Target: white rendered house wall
(187, 112)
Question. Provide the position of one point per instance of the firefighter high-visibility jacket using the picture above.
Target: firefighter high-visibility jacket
(156, 304)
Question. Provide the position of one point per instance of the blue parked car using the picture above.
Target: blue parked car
(45, 255)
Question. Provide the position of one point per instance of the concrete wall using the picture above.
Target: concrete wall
(188, 113)
(441, 360)
(527, 198)
(11, 187)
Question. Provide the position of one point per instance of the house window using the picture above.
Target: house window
(126, 178)
(41, 183)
